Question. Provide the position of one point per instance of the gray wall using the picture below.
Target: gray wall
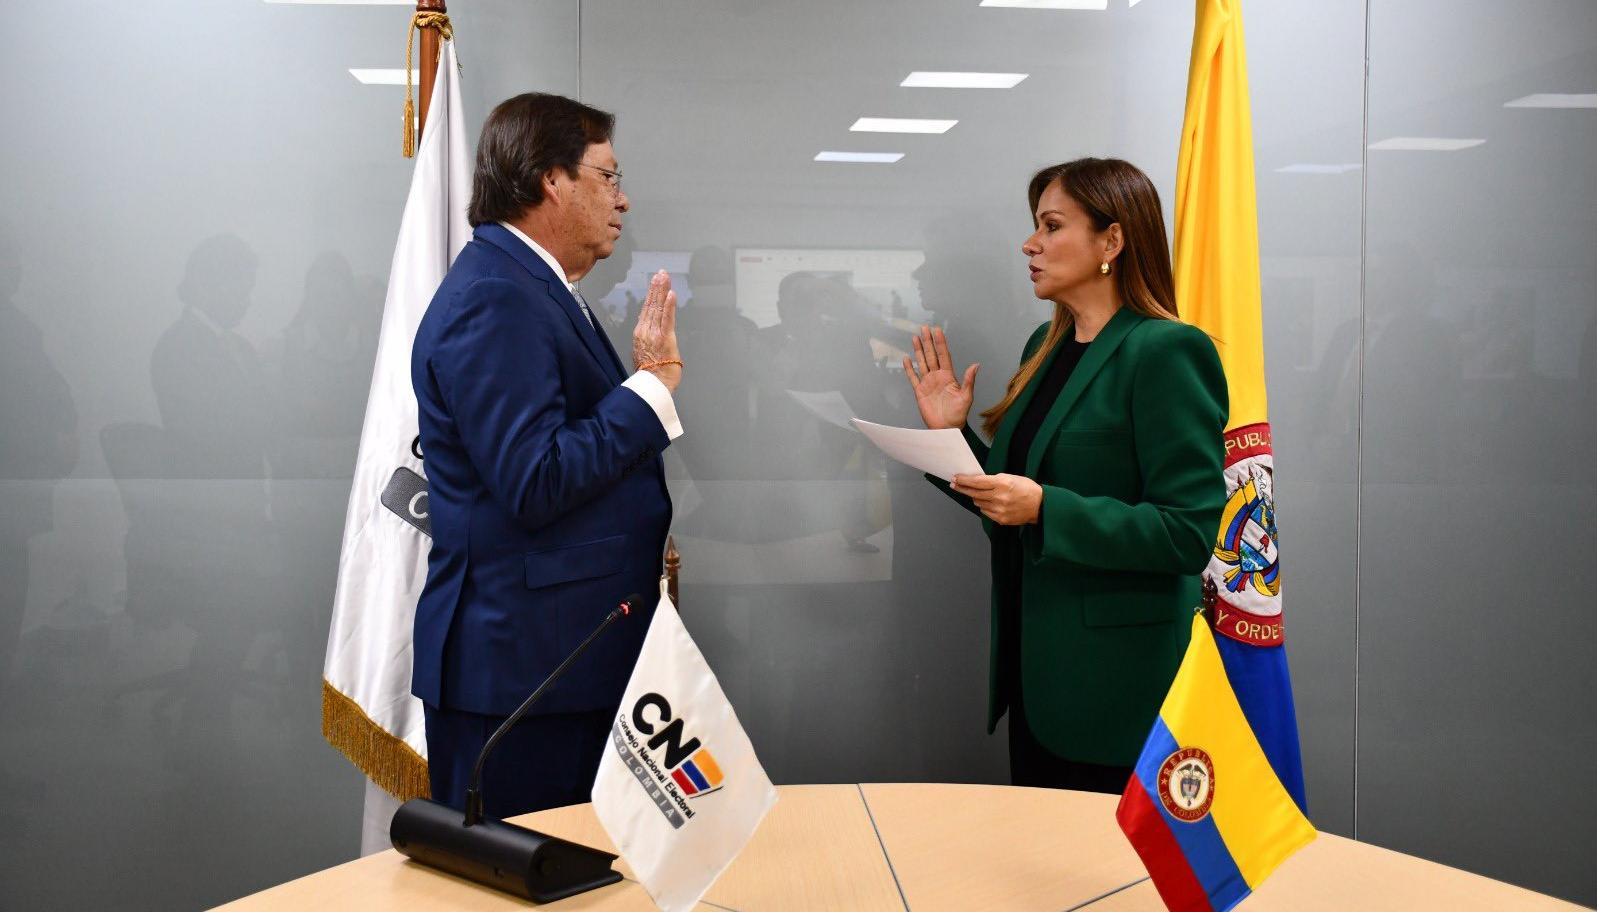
(170, 510)
(1476, 629)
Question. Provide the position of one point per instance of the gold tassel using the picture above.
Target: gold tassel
(408, 144)
(420, 21)
(385, 759)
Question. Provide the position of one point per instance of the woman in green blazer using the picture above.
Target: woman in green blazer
(1103, 486)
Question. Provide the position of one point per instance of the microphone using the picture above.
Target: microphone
(501, 855)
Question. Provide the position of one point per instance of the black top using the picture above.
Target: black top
(1053, 383)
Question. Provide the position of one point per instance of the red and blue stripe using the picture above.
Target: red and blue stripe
(1189, 862)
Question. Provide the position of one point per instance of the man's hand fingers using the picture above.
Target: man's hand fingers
(651, 312)
(970, 376)
(667, 300)
(649, 298)
(925, 339)
(920, 355)
(651, 305)
(909, 372)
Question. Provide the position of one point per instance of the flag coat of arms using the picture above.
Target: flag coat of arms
(1217, 801)
(679, 789)
(368, 712)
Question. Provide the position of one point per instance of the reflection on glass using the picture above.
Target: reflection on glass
(38, 446)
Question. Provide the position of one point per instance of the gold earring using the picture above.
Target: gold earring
(1104, 267)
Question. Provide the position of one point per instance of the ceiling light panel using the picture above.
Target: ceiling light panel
(922, 79)
(901, 125)
(878, 158)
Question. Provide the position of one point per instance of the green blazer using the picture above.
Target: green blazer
(1129, 459)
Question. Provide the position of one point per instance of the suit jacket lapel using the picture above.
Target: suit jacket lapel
(591, 337)
(1092, 361)
(615, 358)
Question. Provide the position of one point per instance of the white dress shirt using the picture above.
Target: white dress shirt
(649, 388)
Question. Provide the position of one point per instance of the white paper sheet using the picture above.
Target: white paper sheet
(943, 452)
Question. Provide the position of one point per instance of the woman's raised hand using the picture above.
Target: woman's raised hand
(944, 399)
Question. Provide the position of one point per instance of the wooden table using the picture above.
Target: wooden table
(927, 847)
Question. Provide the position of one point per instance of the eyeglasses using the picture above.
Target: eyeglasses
(613, 178)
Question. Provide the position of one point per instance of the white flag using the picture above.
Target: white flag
(368, 712)
(679, 789)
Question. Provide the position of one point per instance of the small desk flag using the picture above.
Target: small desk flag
(679, 789)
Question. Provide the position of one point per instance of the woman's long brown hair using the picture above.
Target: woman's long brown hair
(1111, 191)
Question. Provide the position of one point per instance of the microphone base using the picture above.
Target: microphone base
(500, 855)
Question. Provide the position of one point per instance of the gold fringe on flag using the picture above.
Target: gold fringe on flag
(420, 21)
(386, 760)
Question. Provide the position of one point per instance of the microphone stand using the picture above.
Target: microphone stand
(501, 855)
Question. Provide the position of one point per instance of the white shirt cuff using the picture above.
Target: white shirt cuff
(653, 391)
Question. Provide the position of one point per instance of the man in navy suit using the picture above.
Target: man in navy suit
(547, 492)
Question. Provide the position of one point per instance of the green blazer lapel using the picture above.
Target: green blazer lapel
(1092, 361)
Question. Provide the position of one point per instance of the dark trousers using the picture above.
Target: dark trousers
(543, 762)
(1030, 763)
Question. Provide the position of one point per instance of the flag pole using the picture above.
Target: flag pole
(430, 38)
(432, 20)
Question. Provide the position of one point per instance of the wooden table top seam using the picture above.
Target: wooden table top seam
(1104, 896)
(887, 856)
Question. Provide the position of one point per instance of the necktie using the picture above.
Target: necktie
(583, 303)
(604, 338)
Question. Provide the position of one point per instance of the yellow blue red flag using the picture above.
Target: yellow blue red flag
(1217, 801)
(1205, 809)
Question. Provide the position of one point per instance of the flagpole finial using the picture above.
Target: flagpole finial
(432, 20)
(673, 569)
(1211, 597)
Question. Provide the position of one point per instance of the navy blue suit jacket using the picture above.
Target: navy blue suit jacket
(547, 492)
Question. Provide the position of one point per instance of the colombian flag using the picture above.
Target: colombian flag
(1217, 801)
(1205, 809)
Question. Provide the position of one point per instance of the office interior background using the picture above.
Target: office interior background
(196, 226)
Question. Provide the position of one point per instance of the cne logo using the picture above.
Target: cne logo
(1186, 784)
(406, 497)
(690, 763)
(672, 766)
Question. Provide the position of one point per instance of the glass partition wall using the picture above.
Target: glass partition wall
(194, 239)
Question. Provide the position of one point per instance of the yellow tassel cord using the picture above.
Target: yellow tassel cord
(420, 21)
(386, 760)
